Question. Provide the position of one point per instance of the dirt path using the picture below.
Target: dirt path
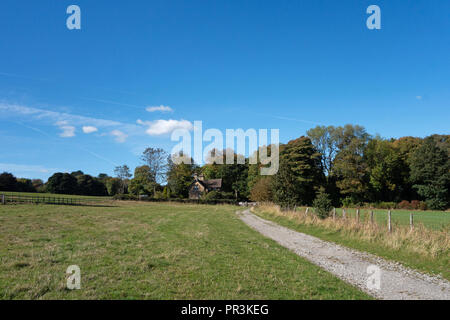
(396, 281)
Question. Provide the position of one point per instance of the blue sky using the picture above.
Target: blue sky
(232, 64)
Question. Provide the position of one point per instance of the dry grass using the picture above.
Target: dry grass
(420, 240)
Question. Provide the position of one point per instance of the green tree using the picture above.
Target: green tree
(430, 174)
(322, 204)
(90, 186)
(143, 181)
(388, 172)
(123, 173)
(62, 183)
(113, 185)
(25, 185)
(300, 173)
(8, 182)
(349, 166)
(180, 175)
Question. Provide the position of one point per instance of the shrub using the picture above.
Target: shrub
(125, 197)
(418, 205)
(322, 204)
(405, 204)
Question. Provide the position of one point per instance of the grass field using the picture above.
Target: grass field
(53, 195)
(436, 220)
(151, 251)
(431, 219)
(426, 248)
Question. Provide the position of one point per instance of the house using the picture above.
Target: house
(200, 186)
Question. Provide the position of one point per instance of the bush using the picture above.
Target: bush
(125, 197)
(405, 204)
(322, 204)
(385, 205)
(418, 205)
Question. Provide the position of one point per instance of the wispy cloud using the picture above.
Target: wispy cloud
(419, 97)
(161, 127)
(67, 131)
(24, 168)
(160, 108)
(54, 116)
(89, 129)
(120, 136)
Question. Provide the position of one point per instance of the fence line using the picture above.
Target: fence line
(45, 200)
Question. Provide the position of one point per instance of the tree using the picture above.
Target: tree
(62, 183)
(349, 166)
(143, 182)
(300, 173)
(38, 185)
(113, 186)
(89, 186)
(181, 168)
(123, 173)
(261, 191)
(322, 204)
(156, 160)
(8, 182)
(25, 185)
(388, 172)
(325, 140)
(430, 174)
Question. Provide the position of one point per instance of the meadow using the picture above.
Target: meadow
(135, 250)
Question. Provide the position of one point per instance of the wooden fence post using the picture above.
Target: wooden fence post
(371, 216)
(411, 220)
(3, 199)
(389, 221)
(334, 213)
(343, 213)
(357, 215)
(306, 212)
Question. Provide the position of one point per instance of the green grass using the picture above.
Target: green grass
(151, 251)
(435, 265)
(436, 220)
(54, 195)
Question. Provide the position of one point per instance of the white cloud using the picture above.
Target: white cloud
(419, 97)
(67, 131)
(89, 129)
(160, 108)
(160, 127)
(120, 136)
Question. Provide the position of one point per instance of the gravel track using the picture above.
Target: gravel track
(396, 281)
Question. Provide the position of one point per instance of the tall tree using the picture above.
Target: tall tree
(349, 166)
(430, 173)
(181, 169)
(156, 160)
(143, 182)
(300, 173)
(325, 140)
(62, 183)
(388, 173)
(8, 182)
(123, 173)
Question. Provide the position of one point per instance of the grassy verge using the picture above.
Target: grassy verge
(151, 251)
(422, 248)
(437, 220)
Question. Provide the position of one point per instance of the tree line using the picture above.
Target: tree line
(342, 166)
